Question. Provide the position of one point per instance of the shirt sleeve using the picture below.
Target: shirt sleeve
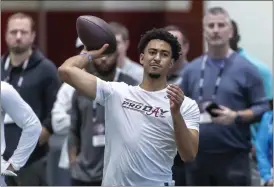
(256, 95)
(75, 126)
(103, 90)
(60, 118)
(191, 114)
(25, 118)
(51, 85)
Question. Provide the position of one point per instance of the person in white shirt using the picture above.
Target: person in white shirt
(60, 119)
(152, 120)
(22, 114)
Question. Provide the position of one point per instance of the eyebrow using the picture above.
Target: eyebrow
(162, 50)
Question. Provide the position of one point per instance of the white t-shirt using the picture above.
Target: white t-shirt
(22, 114)
(140, 144)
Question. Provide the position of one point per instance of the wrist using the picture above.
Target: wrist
(12, 167)
(237, 118)
(88, 55)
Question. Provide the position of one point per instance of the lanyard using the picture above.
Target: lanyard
(8, 68)
(94, 104)
(202, 79)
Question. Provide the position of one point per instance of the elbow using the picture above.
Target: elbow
(63, 71)
(188, 157)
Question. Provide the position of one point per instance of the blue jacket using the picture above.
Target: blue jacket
(264, 146)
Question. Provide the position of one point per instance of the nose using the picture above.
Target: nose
(215, 28)
(18, 35)
(157, 57)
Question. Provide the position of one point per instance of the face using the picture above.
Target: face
(217, 29)
(19, 35)
(106, 65)
(157, 58)
(180, 38)
(122, 45)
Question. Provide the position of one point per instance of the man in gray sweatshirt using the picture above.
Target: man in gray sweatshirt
(86, 138)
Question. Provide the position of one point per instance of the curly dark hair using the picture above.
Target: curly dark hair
(160, 34)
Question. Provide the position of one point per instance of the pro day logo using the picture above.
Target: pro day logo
(145, 109)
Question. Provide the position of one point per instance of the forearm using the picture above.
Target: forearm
(79, 61)
(253, 114)
(26, 145)
(187, 142)
(247, 116)
(44, 136)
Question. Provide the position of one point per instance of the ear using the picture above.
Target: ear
(142, 58)
(127, 44)
(33, 36)
(171, 63)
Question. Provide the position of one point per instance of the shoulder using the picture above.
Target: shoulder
(7, 89)
(48, 65)
(66, 89)
(132, 67)
(259, 64)
(244, 65)
(8, 93)
(135, 64)
(194, 64)
(111, 84)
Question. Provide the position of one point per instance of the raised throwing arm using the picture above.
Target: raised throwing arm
(71, 72)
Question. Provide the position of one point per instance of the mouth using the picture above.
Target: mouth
(155, 66)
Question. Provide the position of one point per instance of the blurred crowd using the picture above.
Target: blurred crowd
(232, 150)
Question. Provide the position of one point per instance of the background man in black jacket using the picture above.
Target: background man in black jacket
(35, 78)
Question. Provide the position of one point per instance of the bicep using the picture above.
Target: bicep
(255, 85)
(80, 80)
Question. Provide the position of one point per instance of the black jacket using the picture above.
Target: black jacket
(39, 88)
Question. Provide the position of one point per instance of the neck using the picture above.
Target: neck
(218, 51)
(150, 84)
(18, 59)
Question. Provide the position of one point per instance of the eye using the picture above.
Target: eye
(211, 25)
(152, 52)
(165, 54)
(221, 25)
(13, 32)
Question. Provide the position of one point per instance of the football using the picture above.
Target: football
(94, 32)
